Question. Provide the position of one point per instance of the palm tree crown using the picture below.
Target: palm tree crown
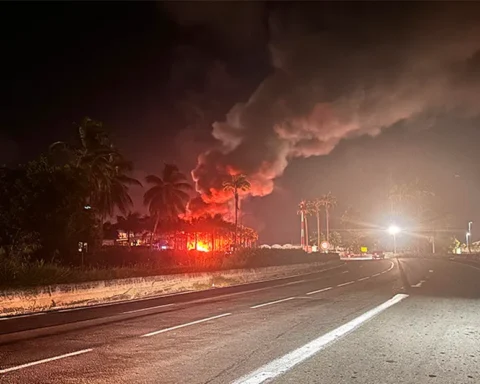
(102, 167)
(169, 193)
(304, 209)
(237, 183)
(328, 201)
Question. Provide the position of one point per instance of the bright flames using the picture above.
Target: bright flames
(201, 246)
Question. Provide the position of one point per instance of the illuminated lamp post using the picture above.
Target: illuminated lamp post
(468, 236)
(394, 230)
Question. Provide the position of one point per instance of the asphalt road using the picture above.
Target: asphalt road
(361, 322)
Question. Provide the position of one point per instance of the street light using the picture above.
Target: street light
(469, 235)
(393, 230)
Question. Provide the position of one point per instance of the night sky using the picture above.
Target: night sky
(305, 98)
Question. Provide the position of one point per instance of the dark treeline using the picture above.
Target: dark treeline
(66, 195)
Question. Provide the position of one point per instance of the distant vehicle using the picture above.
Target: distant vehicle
(352, 255)
(378, 255)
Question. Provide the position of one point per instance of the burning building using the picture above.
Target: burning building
(206, 234)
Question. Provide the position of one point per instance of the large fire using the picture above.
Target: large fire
(200, 246)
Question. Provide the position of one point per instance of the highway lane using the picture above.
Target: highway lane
(432, 337)
(115, 310)
(226, 338)
(115, 334)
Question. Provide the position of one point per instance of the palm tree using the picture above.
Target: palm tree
(93, 143)
(304, 209)
(237, 183)
(101, 166)
(316, 208)
(168, 196)
(329, 202)
(112, 188)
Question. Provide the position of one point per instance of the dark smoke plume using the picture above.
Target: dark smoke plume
(342, 75)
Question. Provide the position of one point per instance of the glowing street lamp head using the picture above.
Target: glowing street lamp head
(393, 230)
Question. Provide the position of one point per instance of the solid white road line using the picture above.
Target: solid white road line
(391, 267)
(320, 290)
(419, 284)
(364, 278)
(376, 274)
(146, 309)
(93, 306)
(72, 309)
(348, 283)
(185, 325)
(467, 265)
(45, 361)
(107, 305)
(296, 282)
(285, 363)
(272, 302)
(22, 316)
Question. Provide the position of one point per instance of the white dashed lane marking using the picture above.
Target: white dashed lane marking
(320, 290)
(6, 370)
(364, 278)
(347, 283)
(148, 308)
(272, 302)
(419, 284)
(185, 325)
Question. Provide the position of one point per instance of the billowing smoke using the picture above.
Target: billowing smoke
(337, 77)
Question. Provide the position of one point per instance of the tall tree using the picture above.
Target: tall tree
(112, 190)
(316, 208)
(304, 209)
(329, 202)
(42, 211)
(168, 196)
(236, 184)
(102, 168)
